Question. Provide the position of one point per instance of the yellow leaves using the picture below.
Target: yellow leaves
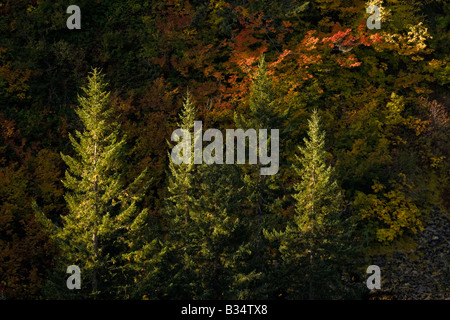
(412, 42)
(435, 161)
(390, 210)
(385, 14)
(190, 31)
(435, 64)
(417, 35)
(395, 119)
(418, 125)
(16, 79)
(395, 106)
(377, 187)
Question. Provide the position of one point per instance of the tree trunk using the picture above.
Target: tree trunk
(94, 272)
(311, 290)
(94, 235)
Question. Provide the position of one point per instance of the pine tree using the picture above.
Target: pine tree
(264, 106)
(263, 193)
(219, 237)
(181, 177)
(316, 241)
(178, 203)
(207, 243)
(105, 227)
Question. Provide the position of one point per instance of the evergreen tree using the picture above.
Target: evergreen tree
(177, 205)
(105, 228)
(263, 193)
(264, 106)
(315, 246)
(219, 237)
(207, 243)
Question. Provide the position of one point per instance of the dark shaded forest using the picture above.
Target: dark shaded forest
(86, 176)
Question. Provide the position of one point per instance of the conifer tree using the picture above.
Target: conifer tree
(207, 234)
(263, 193)
(264, 107)
(105, 227)
(316, 241)
(178, 203)
(181, 185)
(219, 237)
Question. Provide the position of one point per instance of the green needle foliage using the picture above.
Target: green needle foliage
(315, 247)
(105, 227)
(207, 234)
(264, 197)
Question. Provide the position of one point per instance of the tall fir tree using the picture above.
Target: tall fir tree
(316, 246)
(178, 203)
(207, 232)
(105, 228)
(264, 197)
(264, 104)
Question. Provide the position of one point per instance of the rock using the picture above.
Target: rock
(421, 273)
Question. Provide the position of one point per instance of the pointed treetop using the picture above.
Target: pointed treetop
(188, 112)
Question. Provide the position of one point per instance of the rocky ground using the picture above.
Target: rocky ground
(420, 273)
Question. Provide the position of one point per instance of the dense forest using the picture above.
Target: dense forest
(87, 117)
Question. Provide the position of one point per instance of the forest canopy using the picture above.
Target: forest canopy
(86, 176)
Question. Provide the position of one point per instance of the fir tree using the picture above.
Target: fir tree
(264, 105)
(219, 237)
(315, 245)
(105, 227)
(178, 203)
(263, 193)
(207, 243)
